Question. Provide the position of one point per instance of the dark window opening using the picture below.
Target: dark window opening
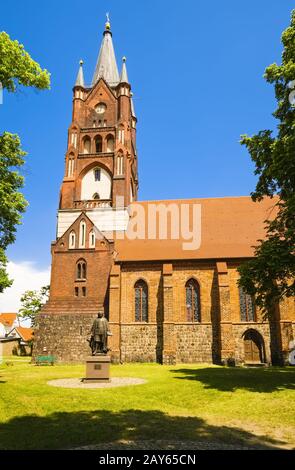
(81, 270)
(193, 303)
(98, 144)
(97, 174)
(247, 306)
(141, 301)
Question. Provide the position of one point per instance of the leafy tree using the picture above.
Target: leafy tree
(16, 68)
(270, 274)
(12, 202)
(32, 302)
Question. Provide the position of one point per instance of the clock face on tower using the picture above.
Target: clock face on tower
(100, 108)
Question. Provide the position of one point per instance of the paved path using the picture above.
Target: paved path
(114, 382)
(173, 445)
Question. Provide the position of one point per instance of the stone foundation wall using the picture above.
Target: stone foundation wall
(193, 343)
(140, 343)
(64, 336)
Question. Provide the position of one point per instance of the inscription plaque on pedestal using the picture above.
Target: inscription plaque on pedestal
(98, 368)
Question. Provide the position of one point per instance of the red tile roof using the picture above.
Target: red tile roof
(7, 319)
(25, 333)
(230, 227)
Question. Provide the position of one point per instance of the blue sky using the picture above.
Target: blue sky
(196, 70)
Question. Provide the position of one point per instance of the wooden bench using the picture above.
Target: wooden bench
(41, 360)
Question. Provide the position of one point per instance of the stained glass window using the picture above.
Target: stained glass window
(141, 301)
(247, 306)
(193, 303)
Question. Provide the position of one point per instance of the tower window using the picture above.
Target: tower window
(121, 135)
(81, 270)
(92, 239)
(193, 303)
(120, 164)
(76, 291)
(84, 291)
(72, 240)
(86, 145)
(110, 143)
(247, 306)
(71, 165)
(82, 238)
(141, 301)
(98, 144)
(97, 174)
(95, 196)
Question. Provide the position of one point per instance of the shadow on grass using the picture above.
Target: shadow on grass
(264, 380)
(68, 430)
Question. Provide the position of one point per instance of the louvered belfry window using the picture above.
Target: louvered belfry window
(193, 303)
(141, 301)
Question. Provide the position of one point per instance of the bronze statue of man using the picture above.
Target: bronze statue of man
(99, 335)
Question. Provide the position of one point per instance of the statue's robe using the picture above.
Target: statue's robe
(99, 332)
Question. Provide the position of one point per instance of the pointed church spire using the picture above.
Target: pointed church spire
(106, 66)
(124, 76)
(80, 76)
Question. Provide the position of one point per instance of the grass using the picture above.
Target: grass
(184, 402)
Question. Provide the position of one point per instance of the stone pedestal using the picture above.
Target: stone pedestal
(97, 369)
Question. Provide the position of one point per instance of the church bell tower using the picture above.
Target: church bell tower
(100, 181)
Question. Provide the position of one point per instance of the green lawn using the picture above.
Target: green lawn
(184, 402)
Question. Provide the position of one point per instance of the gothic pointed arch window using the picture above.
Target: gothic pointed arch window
(247, 306)
(72, 240)
(71, 165)
(110, 143)
(95, 196)
(141, 301)
(86, 145)
(193, 301)
(82, 234)
(92, 239)
(120, 164)
(98, 144)
(81, 270)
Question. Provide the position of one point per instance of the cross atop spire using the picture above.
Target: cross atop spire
(108, 23)
(106, 66)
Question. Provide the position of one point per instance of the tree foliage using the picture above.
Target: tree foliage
(12, 201)
(32, 302)
(270, 274)
(17, 67)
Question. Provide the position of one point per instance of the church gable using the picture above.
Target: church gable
(82, 235)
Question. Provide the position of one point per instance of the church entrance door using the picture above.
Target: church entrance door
(253, 347)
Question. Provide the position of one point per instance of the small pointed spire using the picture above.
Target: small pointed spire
(124, 76)
(80, 76)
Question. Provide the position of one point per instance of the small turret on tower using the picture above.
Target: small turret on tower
(80, 77)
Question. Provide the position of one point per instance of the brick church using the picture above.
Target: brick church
(164, 302)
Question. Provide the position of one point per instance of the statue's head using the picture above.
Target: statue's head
(100, 314)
